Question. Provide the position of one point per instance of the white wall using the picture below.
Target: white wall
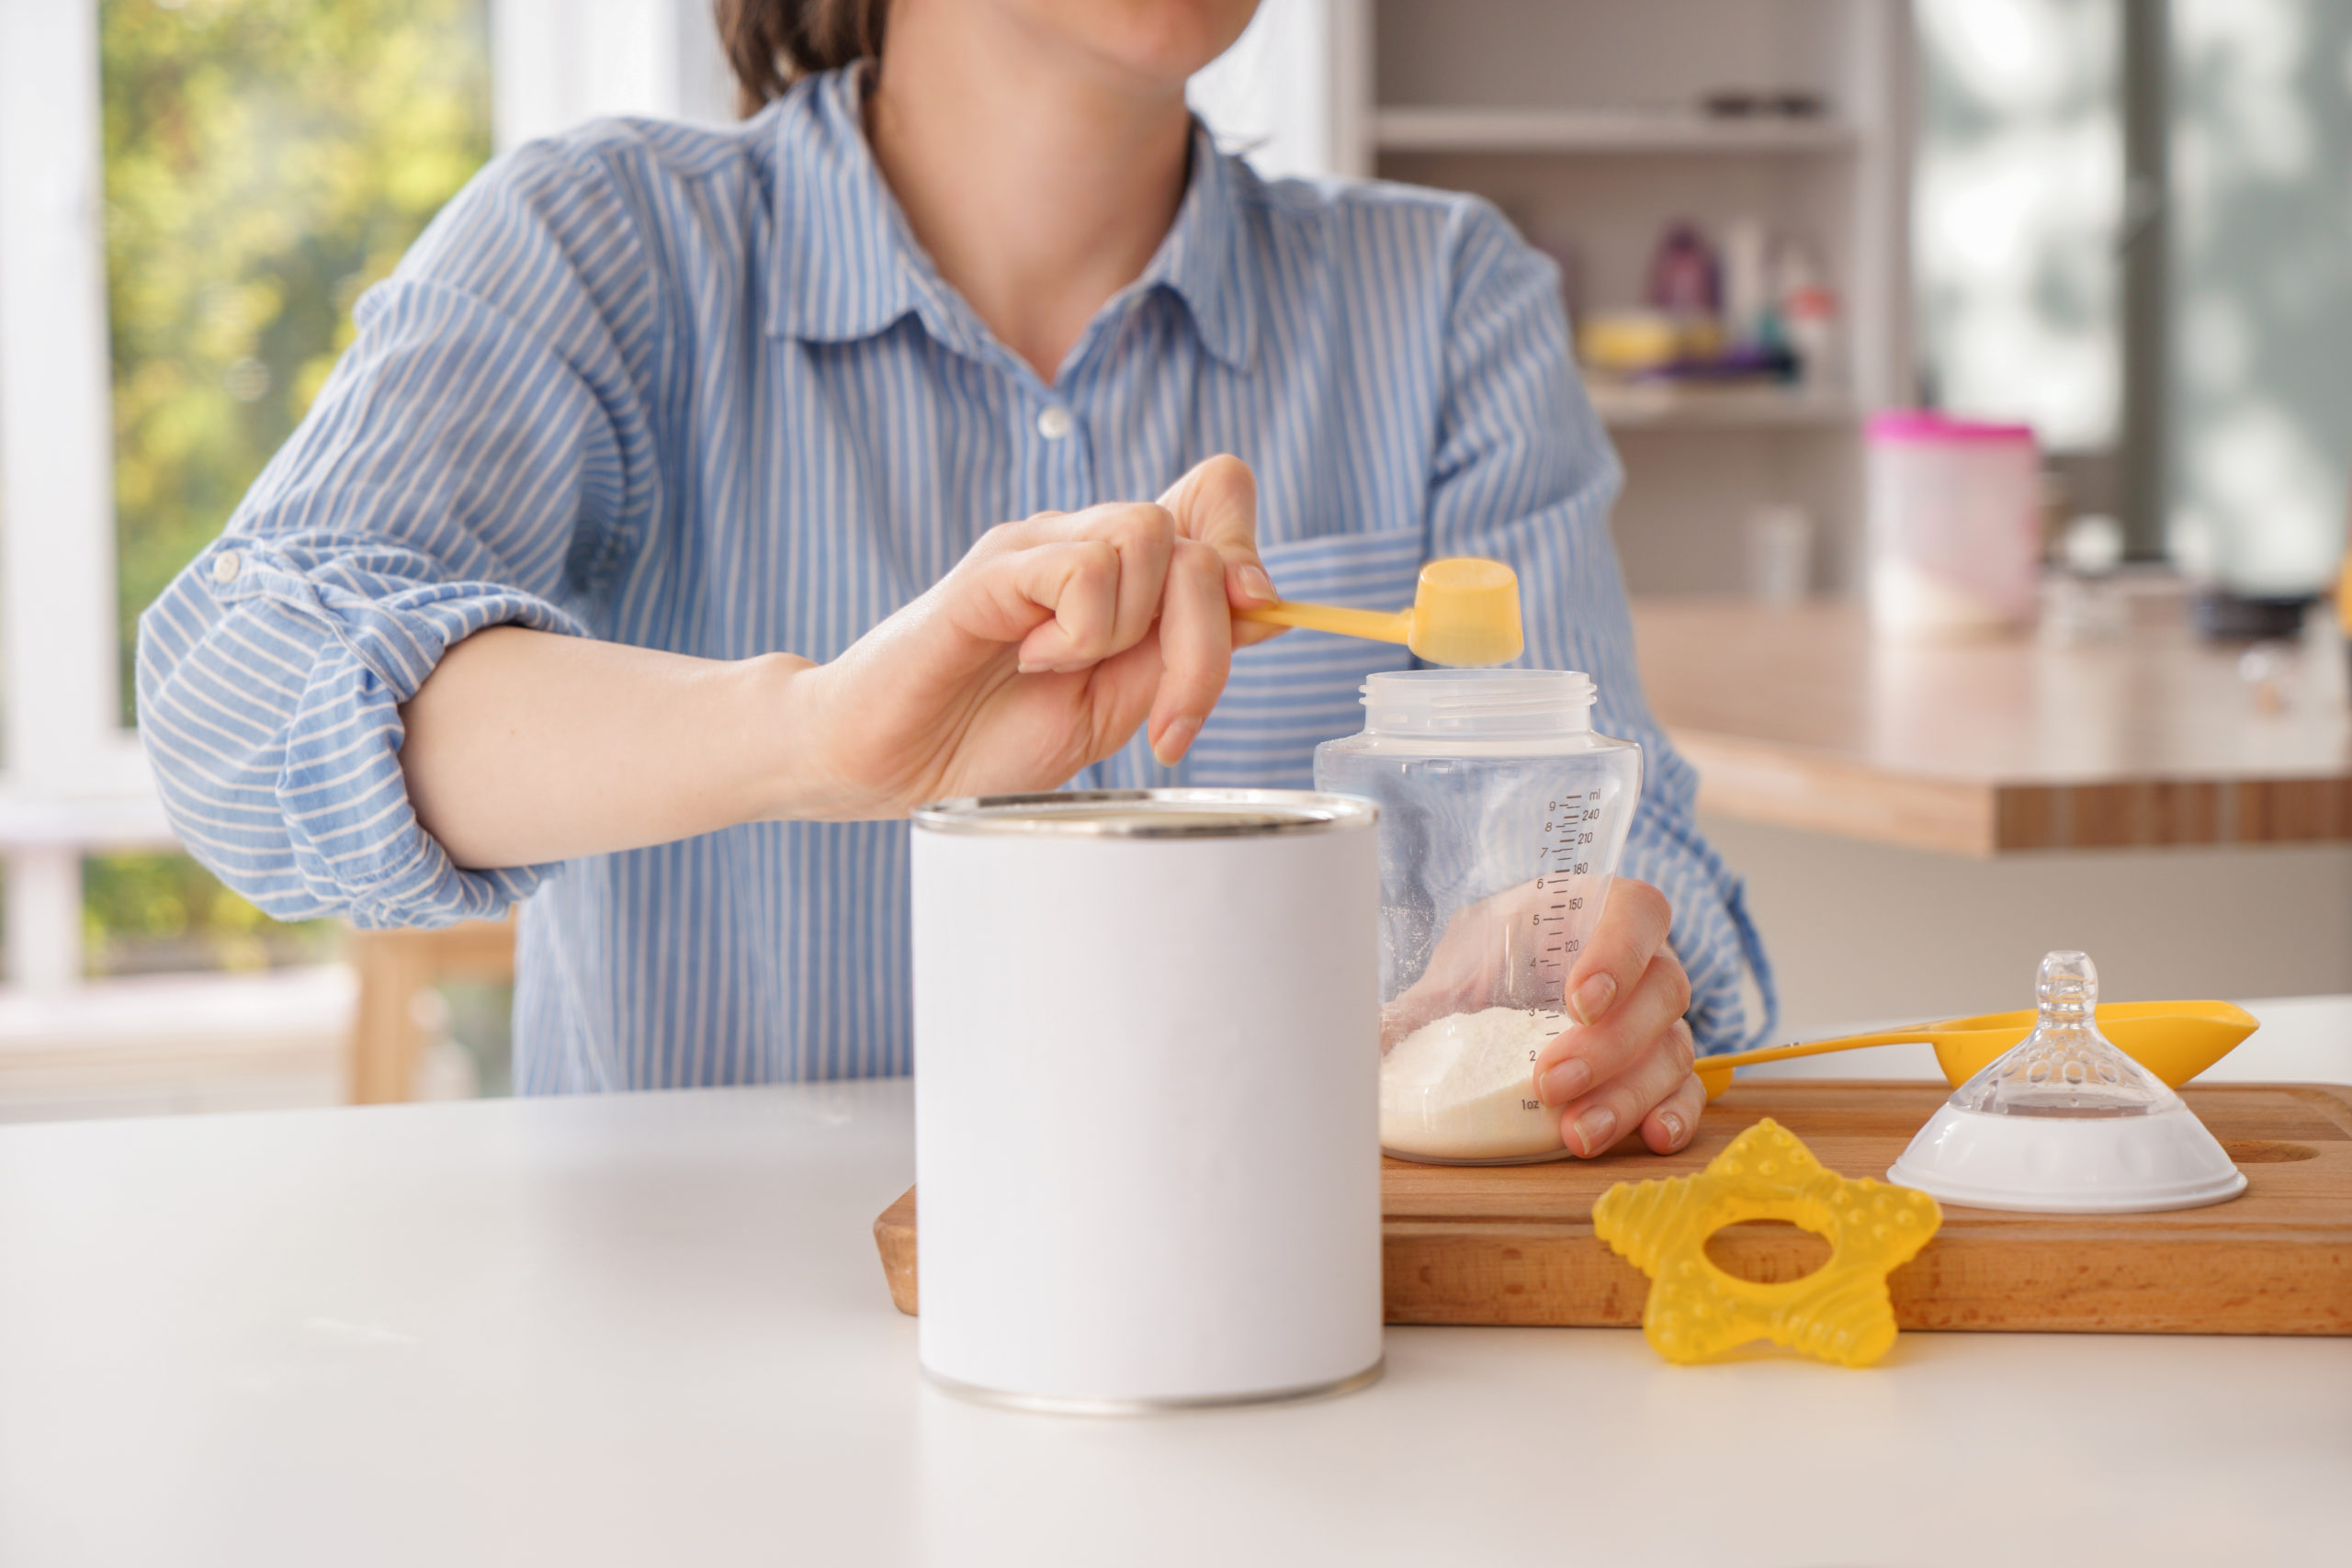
(1283, 96)
(559, 62)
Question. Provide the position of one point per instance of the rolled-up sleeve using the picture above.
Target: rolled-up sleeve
(1524, 474)
(480, 455)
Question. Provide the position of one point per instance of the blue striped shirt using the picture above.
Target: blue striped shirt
(700, 389)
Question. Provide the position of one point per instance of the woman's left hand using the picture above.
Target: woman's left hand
(1625, 1064)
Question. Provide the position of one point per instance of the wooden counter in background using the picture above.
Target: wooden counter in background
(1800, 717)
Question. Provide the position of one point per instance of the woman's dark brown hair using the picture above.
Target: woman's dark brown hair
(770, 42)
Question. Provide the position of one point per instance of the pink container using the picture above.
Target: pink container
(1955, 523)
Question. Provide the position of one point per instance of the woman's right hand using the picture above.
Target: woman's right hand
(1039, 653)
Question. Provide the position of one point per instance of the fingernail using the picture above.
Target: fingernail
(1026, 667)
(1566, 1081)
(1592, 997)
(1596, 1130)
(1172, 741)
(1258, 586)
(1673, 1125)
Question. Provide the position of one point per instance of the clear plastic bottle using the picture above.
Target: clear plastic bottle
(1502, 816)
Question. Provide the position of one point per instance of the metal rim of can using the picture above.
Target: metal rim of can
(1128, 813)
(1057, 1405)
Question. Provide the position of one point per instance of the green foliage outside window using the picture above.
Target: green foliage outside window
(265, 161)
(145, 913)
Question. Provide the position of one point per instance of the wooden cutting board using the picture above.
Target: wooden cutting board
(1514, 1243)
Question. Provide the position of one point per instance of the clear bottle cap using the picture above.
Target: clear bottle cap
(2065, 1067)
(1478, 703)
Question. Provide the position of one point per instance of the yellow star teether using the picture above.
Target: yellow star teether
(1840, 1312)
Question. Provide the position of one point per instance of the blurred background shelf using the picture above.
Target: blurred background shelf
(1669, 407)
(1584, 121)
(1454, 129)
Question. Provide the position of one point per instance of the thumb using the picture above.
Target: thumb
(1216, 503)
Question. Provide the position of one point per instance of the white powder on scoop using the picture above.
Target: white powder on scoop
(1463, 1089)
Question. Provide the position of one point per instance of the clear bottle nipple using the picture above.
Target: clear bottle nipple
(2065, 1067)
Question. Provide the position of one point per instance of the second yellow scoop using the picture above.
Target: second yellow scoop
(1464, 612)
(2175, 1041)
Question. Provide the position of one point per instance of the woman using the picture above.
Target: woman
(693, 503)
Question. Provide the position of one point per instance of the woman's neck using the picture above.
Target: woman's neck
(1041, 179)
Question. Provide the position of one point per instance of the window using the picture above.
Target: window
(2129, 231)
(2262, 290)
(2017, 200)
(192, 193)
(264, 161)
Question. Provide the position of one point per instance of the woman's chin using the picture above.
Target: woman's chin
(1159, 42)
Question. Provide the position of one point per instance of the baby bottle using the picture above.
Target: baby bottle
(1502, 816)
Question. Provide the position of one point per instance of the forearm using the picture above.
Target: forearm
(526, 747)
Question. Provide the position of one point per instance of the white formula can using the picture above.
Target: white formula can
(1146, 1096)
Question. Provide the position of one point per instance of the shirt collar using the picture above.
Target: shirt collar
(1200, 261)
(845, 265)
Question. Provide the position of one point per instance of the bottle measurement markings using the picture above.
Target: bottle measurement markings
(1569, 824)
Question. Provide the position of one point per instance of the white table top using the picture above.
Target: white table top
(651, 1329)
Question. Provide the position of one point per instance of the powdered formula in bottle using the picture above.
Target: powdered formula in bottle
(1462, 1088)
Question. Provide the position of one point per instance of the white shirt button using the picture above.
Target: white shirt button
(226, 565)
(1053, 421)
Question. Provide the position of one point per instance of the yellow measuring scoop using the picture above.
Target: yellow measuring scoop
(2175, 1041)
(1464, 612)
